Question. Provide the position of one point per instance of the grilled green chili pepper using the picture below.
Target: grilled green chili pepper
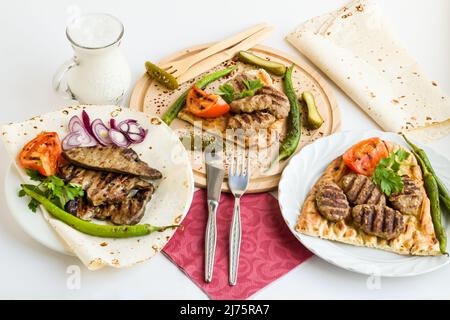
(290, 143)
(432, 190)
(275, 68)
(173, 110)
(93, 229)
(443, 192)
(163, 77)
(314, 119)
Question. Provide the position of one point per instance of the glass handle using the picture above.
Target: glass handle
(59, 79)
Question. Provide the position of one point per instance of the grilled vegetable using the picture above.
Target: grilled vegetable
(163, 77)
(96, 230)
(432, 190)
(205, 105)
(443, 192)
(314, 119)
(275, 68)
(42, 153)
(173, 110)
(364, 156)
(290, 143)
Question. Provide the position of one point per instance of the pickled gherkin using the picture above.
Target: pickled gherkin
(161, 76)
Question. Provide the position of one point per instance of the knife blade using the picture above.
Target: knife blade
(214, 176)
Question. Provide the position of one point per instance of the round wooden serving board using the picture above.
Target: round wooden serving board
(149, 97)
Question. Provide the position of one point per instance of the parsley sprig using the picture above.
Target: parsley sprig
(386, 172)
(52, 187)
(229, 94)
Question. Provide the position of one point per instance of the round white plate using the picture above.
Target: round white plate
(161, 148)
(299, 177)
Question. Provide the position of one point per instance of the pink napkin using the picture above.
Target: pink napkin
(268, 249)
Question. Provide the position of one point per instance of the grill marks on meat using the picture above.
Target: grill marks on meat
(129, 211)
(103, 187)
(361, 190)
(111, 159)
(332, 202)
(265, 99)
(251, 121)
(379, 220)
(410, 199)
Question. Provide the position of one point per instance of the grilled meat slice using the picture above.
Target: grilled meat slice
(410, 199)
(381, 221)
(360, 189)
(111, 159)
(103, 187)
(238, 82)
(127, 212)
(332, 202)
(265, 99)
(251, 121)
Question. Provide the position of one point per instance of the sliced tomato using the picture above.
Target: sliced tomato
(364, 156)
(205, 105)
(42, 153)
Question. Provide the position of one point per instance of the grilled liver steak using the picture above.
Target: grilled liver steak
(381, 221)
(332, 202)
(361, 190)
(265, 99)
(103, 187)
(251, 121)
(111, 159)
(127, 212)
(410, 199)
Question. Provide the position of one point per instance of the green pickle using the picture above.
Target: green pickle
(275, 68)
(314, 119)
(161, 76)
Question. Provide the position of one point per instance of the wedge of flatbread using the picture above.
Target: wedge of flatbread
(417, 239)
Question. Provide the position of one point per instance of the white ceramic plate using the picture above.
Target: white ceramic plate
(169, 204)
(303, 171)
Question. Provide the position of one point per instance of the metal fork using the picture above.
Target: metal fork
(238, 183)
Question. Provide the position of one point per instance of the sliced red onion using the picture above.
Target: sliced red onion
(101, 132)
(87, 122)
(112, 123)
(75, 124)
(124, 125)
(136, 137)
(118, 138)
(78, 139)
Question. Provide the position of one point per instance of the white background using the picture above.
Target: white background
(33, 45)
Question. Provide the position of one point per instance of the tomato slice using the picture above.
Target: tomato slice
(364, 156)
(205, 105)
(42, 153)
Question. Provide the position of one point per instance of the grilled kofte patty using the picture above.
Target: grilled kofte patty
(410, 199)
(361, 190)
(111, 159)
(103, 187)
(251, 121)
(129, 211)
(332, 202)
(381, 221)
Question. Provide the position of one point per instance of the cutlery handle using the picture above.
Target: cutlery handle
(235, 242)
(210, 240)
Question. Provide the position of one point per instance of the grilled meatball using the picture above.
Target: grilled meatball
(409, 200)
(361, 190)
(251, 121)
(381, 221)
(332, 202)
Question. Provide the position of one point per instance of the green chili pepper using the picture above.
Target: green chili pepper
(443, 192)
(173, 110)
(290, 143)
(432, 190)
(97, 230)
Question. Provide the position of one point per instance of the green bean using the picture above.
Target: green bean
(443, 192)
(290, 143)
(173, 110)
(97, 230)
(432, 190)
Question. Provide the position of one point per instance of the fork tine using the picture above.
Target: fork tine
(230, 169)
(248, 165)
(243, 164)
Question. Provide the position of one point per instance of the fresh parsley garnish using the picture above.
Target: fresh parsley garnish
(53, 188)
(229, 94)
(386, 172)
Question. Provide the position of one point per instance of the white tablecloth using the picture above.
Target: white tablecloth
(33, 45)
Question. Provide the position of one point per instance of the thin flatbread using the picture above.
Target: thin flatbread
(418, 239)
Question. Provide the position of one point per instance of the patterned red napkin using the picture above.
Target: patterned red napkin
(268, 249)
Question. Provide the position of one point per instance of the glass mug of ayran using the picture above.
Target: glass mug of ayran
(98, 72)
